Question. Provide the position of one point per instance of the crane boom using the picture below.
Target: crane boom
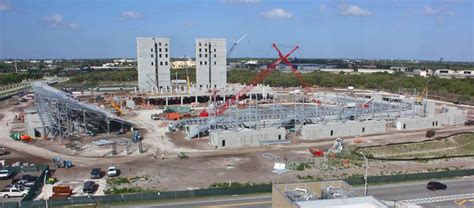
(259, 78)
(235, 44)
(424, 93)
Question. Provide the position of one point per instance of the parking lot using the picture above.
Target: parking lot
(14, 180)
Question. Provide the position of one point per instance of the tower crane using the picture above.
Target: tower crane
(424, 93)
(235, 44)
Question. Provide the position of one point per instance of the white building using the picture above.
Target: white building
(153, 60)
(211, 62)
(399, 68)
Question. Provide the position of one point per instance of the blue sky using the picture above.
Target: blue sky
(398, 29)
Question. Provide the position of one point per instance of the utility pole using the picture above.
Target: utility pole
(44, 182)
(366, 173)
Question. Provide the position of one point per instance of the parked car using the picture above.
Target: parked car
(7, 193)
(89, 187)
(5, 174)
(25, 183)
(435, 185)
(96, 173)
(112, 171)
(17, 186)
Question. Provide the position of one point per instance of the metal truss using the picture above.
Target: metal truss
(291, 116)
(63, 116)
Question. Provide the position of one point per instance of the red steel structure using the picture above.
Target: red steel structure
(262, 75)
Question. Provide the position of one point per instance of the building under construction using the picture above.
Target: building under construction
(62, 116)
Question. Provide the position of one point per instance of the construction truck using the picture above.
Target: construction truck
(60, 163)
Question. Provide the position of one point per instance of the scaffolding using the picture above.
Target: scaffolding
(62, 116)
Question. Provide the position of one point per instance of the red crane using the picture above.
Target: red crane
(261, 76)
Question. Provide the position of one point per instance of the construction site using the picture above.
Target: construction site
(218, 131)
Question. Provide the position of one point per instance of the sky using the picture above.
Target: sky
(368, 29)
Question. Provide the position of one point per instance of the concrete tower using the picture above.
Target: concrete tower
(211, 63)
(153, 60)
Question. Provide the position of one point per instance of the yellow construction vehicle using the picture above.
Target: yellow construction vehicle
(424, 93)
(117, 108)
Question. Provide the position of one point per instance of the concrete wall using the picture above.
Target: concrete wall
(334, 130)
(450, 117)
(246, 137)
(211, 63)
(153, 62)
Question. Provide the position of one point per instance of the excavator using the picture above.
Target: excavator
(117, 108)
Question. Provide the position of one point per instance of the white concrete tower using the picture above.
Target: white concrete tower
(211, 63)
(153, 62)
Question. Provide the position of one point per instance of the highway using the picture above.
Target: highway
(460, 193)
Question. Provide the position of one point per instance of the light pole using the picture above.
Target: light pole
(366, 173)
(44, 183)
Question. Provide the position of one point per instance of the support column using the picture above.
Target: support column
(84, 118)
(196, 99)
(181, 100)
(108, 127)
(166, 98)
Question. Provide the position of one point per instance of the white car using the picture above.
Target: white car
(7, 193)
(5, 174)
(112, 171)
(17, 187)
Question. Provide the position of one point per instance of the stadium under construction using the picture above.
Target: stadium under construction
(236, 115)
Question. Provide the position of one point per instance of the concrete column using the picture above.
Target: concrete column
(181, 100)
(224, 98)
(196, 99)
(166, 98)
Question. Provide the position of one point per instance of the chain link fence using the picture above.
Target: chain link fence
(261, 188)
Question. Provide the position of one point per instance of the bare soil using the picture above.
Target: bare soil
(207, 165)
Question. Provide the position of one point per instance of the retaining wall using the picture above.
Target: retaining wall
(334, 130)
(246, 137)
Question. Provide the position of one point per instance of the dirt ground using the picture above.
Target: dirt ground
(206, 165)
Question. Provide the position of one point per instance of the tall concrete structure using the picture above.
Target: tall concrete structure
(153, 59)
(211, 63)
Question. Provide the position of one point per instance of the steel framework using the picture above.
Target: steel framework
(63, 116)
(292, 116)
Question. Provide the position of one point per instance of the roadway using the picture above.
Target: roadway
(460, 194)
(416, 193)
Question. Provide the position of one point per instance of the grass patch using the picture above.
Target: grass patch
(118, 181)
(236, 185)
(126, 190)
(449, 147)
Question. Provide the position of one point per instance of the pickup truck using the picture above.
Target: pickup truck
(7, 193)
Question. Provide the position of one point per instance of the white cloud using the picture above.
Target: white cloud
(129, 15)
(428, 10)
(277, 14)
(354, 10)
(241, 1)
(322, 7)
(56, 21)
(4, 6)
